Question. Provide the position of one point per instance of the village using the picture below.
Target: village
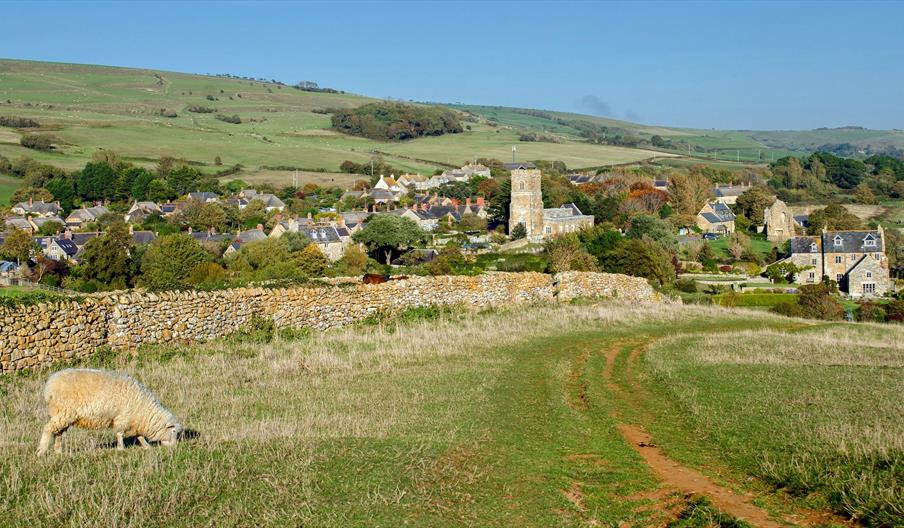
(464, 216)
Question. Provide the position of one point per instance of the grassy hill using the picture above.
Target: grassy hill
(91, 107)
(606, 415)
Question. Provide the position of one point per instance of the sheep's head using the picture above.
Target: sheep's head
(170, 434)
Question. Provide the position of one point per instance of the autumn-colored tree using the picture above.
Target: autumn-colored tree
(689, 192)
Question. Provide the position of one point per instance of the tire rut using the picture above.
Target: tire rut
(671, 473)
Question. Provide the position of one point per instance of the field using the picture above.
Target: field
(578, 415)
(91, 107)
(8, 186)
(760, 246)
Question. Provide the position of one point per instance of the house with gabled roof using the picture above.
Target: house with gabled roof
(80, 217)
(58, 248)
(728, 194)
(716, 217)
(855, 260)
(37, 208)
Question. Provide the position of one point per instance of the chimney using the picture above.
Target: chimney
(67, 234)
(480, 201)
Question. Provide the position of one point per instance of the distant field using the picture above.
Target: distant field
(8, 185)
(92, 107)
(285, 178)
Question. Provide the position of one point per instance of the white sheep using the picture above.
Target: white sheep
(97, 399)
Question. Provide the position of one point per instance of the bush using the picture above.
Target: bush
(37, 142)
(788, 309)
(686, 285)
(870, 312)
(233, 119)
(18, 122)
(258, 330)
(198, 109)
(817, 302)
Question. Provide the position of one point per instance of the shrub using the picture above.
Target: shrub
(817, 302)
(686, 285)
(258, 330)
(37, 142)
(198, 109)
(788, 308)
(870, 311)
(18, 122)
(233, 119)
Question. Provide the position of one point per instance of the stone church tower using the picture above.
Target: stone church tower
(779, 222)
(527, 202)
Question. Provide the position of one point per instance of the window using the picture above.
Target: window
(813, 247)
(839, 277)
(547, 229)
(838, 259)
(520, 186)
(812, 276)
(869, 274)
(878, 256)
(838, 240)
(869, 241)
(813, 261)
(869, 288)
(853, 258)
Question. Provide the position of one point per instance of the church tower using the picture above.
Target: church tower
(527, 202)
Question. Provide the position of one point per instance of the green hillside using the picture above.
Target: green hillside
(123, 109)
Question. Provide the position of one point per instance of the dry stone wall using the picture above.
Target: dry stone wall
(41, 334)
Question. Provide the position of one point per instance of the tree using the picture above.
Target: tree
(159, 191)
(653, 228)
(689, 192)
(19, 245)
(63, 191)
(833, 217)
(738, 244)
(353, 261)
(519, 232)
(30, 193)
(107, 258)
(817, 302)
(211, 216)
(641, 259)
(753, 202)
(863, 194)
(311, 261)
(567, 254)
(96, 181)
(385, 234)
(784, 271)
(51, 228)
(472, 222)
(169, 260)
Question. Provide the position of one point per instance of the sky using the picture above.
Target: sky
(726, 65)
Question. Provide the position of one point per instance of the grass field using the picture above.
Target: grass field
(525, 417)
(91, 107)
(760, 246)
(8, 186)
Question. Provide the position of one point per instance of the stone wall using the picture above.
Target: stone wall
(37, 335)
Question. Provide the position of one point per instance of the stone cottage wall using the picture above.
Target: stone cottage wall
(41, 334)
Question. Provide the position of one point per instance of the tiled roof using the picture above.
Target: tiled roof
(321, 235)
(852, 242)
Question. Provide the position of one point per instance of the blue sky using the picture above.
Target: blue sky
(740, 65)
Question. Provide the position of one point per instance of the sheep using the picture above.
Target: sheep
(98, 399)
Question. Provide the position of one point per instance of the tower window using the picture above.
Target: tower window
(520, 186)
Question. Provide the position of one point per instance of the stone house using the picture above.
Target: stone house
(728, 194)
(716, 217)
(38, 222)
(779, 222)
(80, 217)
(58, 248)
(37, 208)
(527, 209)
(856, 260)
(327, 239)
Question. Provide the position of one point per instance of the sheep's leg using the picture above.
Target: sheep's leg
(120, 445)
(144, 443)
(52, 428)
(58, 442)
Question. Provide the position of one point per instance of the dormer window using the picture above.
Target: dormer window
(838, 240)
(869, 241)
(813, 247)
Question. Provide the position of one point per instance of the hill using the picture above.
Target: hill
(125, 110)
(577, 415)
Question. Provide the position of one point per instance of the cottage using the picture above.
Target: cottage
(327, 239)
(37, 208)
(58, 248)
(270, 201)
(203, 197)
(728, 194)
(780, 222)
(856, 260)
(716, 217)
(80, 217)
